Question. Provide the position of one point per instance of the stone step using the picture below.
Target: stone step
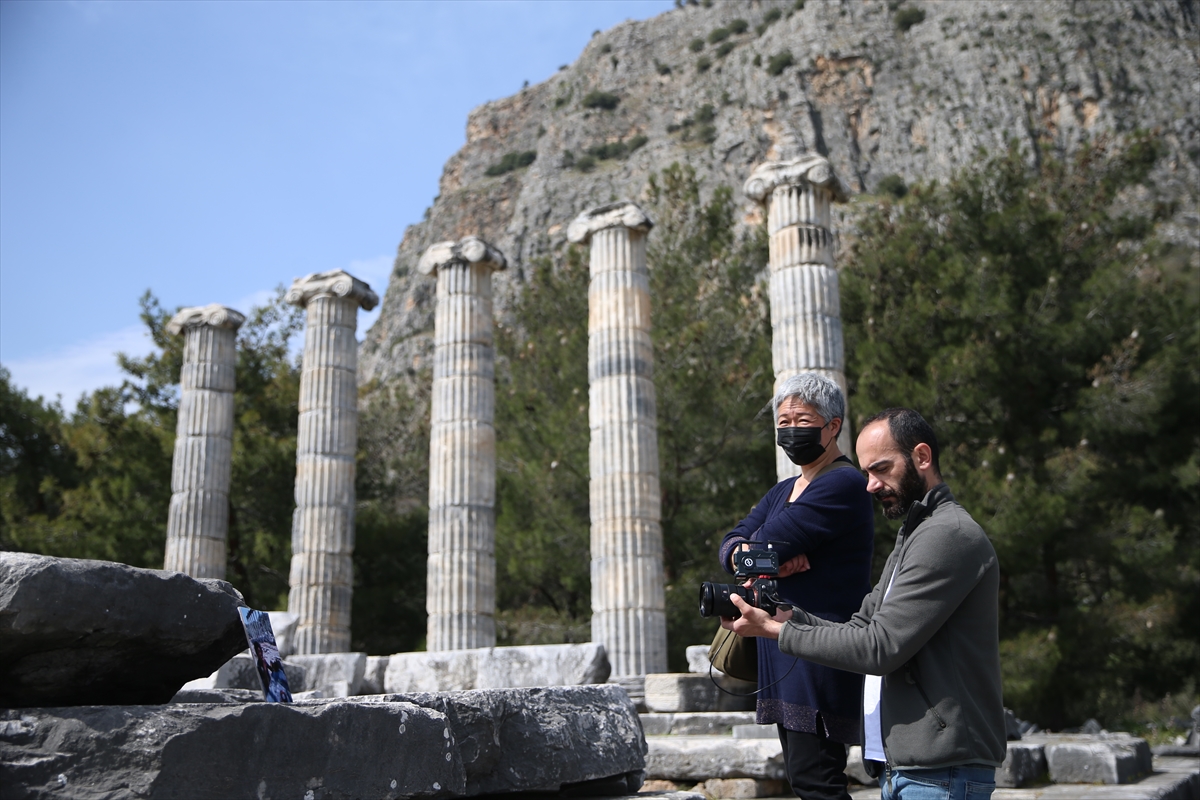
(685, 691)
(700, 758)
(695, 723)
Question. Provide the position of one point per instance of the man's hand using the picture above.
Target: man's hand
(794, 565)
(755, 621)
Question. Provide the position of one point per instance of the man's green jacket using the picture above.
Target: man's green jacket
(934, 639)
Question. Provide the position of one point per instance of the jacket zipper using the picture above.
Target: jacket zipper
(921, 689)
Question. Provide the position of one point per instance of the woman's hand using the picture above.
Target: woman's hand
(794, 565)
(755, 621)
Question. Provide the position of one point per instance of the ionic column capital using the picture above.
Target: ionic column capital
(468, 250)
(766, 178)
(213, 314)
(621, 214)
(336, 283)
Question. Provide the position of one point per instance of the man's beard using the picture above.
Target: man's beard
(911, 489)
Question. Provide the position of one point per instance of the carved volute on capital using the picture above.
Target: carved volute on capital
(623, 213)
(337, 282)
(807, 169)
(468, 250)
(213, 314)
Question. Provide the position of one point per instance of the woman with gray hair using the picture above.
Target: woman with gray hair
(823, 527)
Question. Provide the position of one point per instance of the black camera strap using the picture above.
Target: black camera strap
(727, 641)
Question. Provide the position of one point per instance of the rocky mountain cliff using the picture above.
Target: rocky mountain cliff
(912, 89)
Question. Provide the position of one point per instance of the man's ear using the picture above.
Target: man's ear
(835, 425)
(922, 457)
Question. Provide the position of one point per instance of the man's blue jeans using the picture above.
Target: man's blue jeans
(951, 783)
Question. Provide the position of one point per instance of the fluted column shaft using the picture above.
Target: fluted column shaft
(461, 591)
(628, 603)
(198, 519)
(806, 317)
(321, 576)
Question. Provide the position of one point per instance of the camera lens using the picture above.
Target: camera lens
(715, 602)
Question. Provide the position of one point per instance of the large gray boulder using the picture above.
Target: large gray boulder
(1095, 758)
(541, 739)
(432, 745)
(75, 632)
(497, 668)
(316, 750)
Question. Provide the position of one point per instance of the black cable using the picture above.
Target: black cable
(712, 678)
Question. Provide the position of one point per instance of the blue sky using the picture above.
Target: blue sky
(210, 151)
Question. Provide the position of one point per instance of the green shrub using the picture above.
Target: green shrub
(779, 62)
(893, 185)
(739, 26)
(703, 64)
(705, 114)
(907, 17)
(798, 5)
(568, 159)
(718, 35)
(757, 60)
(707, 133)
(661, 68)
(725, 49)
(603, 152)
(696, 45)
(638, 142)
(512, 161)
(598, 99)
(772, 16)
(585, 163)
(605, 48)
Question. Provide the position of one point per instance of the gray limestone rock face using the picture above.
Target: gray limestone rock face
(267, 750)
(699, 758)
(682, 692)
(541, 739)
(872, 100)
(1108, 758)
(332, 674)
(75, 632)
(497, 668)
(240, 672)
(1024, 763)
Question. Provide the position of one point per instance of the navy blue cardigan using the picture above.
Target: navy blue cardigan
(833, 524)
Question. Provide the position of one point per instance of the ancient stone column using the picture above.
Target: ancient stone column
(198, 520)
(806, 317)
(628, 604)
(460, 595)
(323, 524)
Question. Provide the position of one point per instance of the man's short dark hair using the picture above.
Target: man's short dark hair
(909, 429)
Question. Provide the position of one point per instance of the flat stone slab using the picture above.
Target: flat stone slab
(497, 668)
(1024, 763)
(455, 744)
(540, 739)
(320, 750)
(1094, 758)
(78, 632)
(695, 723)
(700, 758)
(332, 674)
(674, 692)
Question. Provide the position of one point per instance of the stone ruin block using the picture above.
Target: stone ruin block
(317, 750)
(676, 692)
(497, 668)
(457, 744)
(1109, 758)
(1024, 763)
(700, 758)
(332, 674)
(698, 723)
(76, 632)
(742, 787)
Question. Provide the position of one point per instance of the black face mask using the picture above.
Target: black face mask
(802, 445)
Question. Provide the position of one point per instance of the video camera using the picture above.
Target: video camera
(763, 567)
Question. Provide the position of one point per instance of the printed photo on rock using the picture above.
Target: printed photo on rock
(266, 656)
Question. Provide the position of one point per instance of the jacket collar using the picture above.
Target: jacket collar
(922, 508)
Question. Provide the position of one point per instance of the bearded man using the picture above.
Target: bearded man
(926, 637)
